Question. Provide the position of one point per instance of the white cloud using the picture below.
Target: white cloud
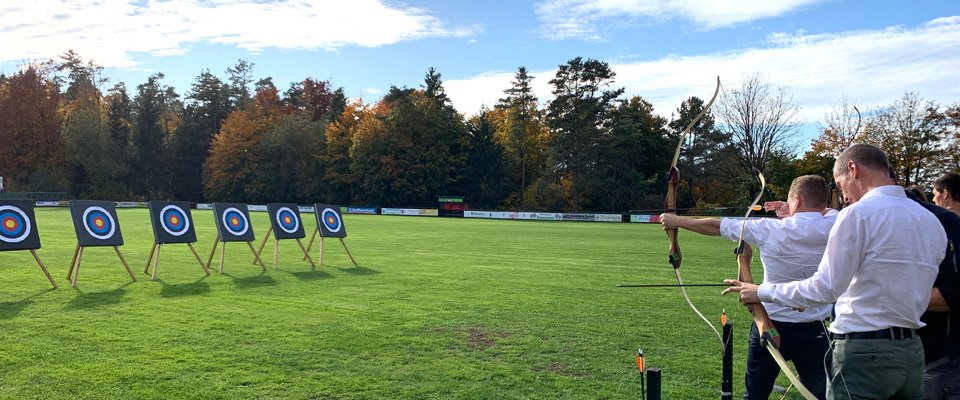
(581, 19)
(874, 67)
(111, 32)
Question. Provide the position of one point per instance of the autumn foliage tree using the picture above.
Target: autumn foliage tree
(33, 156)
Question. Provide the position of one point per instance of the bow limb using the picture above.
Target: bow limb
(768, 333)
(789, 373)
(673, 180)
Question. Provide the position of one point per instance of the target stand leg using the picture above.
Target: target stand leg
(43, 268)
(306, 253)
(344, 243)
(156, 262)
(73, 262)
(153, 249)
(213, 251)
(76, 268)
(256, 257)
(199, 260)
(262, 245)
(223, 249)
(127, 266)
(276, 253)
(310, 244)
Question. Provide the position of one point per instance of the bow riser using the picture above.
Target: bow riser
(673, 180)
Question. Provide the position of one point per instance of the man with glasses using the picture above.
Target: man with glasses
(880, 262)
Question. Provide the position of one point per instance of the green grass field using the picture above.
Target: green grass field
(438, 309)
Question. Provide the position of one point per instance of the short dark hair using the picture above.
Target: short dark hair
(918, 193)
(813, 189)
(949, 182)
(863, 154)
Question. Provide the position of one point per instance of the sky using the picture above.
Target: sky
(869, 52)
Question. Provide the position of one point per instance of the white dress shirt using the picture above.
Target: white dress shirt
(790, 250)
(881, 260)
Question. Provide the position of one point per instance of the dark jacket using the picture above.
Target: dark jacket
(941, 335)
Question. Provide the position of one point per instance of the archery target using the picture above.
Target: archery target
(14, 224)
(17, 226)
(330, 221)
(98, 223)
(172, 222)
(233, 222)
(285, 220)
(95, 223)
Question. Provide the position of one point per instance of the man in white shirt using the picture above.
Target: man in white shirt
(881, 259)
(790, 250)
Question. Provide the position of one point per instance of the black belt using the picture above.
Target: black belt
(895, 333)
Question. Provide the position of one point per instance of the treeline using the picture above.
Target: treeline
(240, 139)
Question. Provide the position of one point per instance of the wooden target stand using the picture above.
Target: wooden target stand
(43, 268)
(343, 242)
(155, 259)
(223, 249)
(276, 250)
(18, 231)
(74, 272)
(96, 225)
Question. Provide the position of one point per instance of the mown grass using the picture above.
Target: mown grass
(438, 309)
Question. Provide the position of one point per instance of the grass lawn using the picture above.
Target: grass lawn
(438, 309)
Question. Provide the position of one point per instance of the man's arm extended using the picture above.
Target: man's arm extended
(703, 226)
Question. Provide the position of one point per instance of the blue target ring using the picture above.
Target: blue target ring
(99, 223)
(174, 220)
(235, 222)
(331, 220)
(287, 220)
(14, 224)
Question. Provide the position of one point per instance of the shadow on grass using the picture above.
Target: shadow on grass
(95, 299)
(359, 271)
(253, 281)
(311, 275)
(186, 289)
(10, 309)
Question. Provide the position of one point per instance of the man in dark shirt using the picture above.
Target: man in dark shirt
(941, 335)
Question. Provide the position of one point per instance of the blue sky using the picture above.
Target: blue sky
(870, 52)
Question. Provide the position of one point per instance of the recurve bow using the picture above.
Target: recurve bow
(673, 179)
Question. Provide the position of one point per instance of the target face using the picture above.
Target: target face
(18, 228)
(285, 220)
(233, 222)
(172, 222)
(330, 221)
(99, 223)
(14, 224)
(96, 223)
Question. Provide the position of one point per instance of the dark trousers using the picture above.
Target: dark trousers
(804, 343)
